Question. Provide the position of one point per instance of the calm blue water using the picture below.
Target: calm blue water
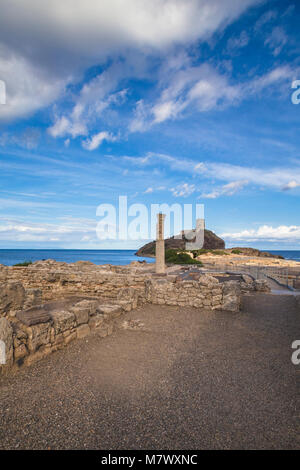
(11, 257)
(288, 254)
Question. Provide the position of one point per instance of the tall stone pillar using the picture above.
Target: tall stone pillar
(160, 266)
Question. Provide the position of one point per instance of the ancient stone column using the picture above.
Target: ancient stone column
(198, 241)
(160, 266)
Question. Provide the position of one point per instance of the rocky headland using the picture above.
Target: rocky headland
(211, 242)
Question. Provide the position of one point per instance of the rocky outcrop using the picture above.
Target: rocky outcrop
(254, 252)
(211, 242)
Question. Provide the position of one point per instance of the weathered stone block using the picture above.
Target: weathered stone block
(81, 314)
(70, 337)
(82, 331)
(261, 285)
(38, 355)
(96, 321)
(20, 352)
(90, 306)
(62, 321)
(33, 316)
(231, 303)
(207, 280)
(12, 296)
(33, 297)
(231, 296)
(126, 305)
(38, 335)
(59, 339)
(110, 311)
(105, 330)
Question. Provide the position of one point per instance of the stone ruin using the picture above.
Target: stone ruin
(45, 306)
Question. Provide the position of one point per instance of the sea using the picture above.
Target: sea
(10, 257)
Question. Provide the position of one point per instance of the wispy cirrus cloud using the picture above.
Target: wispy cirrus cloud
(265, 233)
(237, 42)
(183, 190)
(68, 230)
(239, 176)
(276, 40)
(96, 140)
(228, 189)
(203, 89)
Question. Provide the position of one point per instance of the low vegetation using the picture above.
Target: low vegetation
(175, 257)
(24, 264)
(203, 251)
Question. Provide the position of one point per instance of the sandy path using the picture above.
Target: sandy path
(187, 379)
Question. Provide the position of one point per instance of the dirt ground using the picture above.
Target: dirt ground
(168, 378)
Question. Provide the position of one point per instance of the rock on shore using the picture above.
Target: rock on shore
(211, 242)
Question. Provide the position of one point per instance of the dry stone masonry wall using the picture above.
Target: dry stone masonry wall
(45, 306)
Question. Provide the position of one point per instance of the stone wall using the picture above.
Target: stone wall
(206, 292)
(34, 333)
(47, 305)
(51, 280)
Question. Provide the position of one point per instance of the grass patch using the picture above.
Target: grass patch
(203, 251)
(220, 252)
(236, 252)
(200, 252)
(171, 256)
(25, 263)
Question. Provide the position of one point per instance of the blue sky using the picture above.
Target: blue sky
(164, 102)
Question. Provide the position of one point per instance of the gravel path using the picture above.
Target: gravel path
(185, 379)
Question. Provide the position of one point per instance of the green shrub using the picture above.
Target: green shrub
(203, 251)
(25, 263)
(236, 252)
(200, 252)
(171, 256)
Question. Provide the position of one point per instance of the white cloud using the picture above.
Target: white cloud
(202, 89)
(266, 233)
(267, 17)
(291, 185)
(238, 42)
(148, 191)
(93, 99)
(272, 177)
(114, 23)
(276, 40)
(70, 230)
(81, 34)
(183, 190)
(28, 139)
(63, 126)
(28, 87)
(97, 139)
(228, 189)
